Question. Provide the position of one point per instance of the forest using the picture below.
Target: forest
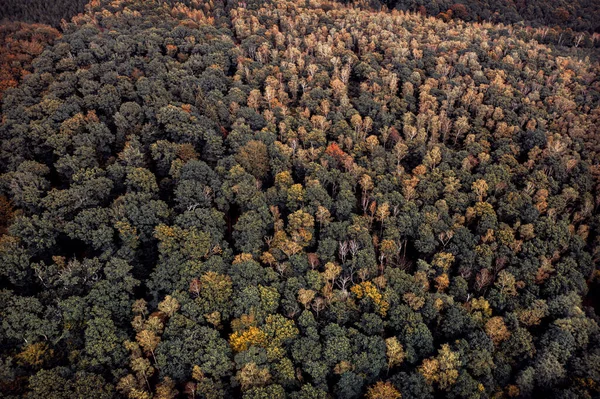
(289, 199)
(577, 15)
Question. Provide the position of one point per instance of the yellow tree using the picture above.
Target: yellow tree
(480, 188)
(305, 296)
(169, 306)
(383, 390)
(394, 352)
(460, 127)
(323, 216)
(442, 369)
(496, 330)
(148, 340)
(300, 226)
(383, 212)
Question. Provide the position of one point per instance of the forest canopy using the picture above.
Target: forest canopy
(49, 12)
(578, 15)
(297, 199)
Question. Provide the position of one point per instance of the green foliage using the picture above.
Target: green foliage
(578, 16)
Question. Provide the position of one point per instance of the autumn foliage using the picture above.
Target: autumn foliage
(299, 200)
(20, 43)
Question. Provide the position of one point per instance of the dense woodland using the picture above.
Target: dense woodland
(49, 12)
(20, 43)
(304, 200)
(579, 15)
(565, 16)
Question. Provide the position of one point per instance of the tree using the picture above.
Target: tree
(254, 158)
(250, 230)
(213, 293)
(394, 352)
(442, 369)
(148, 341)
(253, 376)
(103, 342)
(300, 227)
(27, 184)
(57, 383)
(35, 355)
(383, 390)
(22, 319)
(480, 187)
(185, 344)
(496, 329)
(461, 126)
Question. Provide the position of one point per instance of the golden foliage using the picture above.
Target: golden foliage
(35, 354)
(367, 289)
(480, 308)
(394, 352)
(383, 390)
(253, 336)
(241, 258)
(443, 369)
(148, 340)
(496, 330)
(169, 305)
(305, 296)
(443, 260)
(442, 282)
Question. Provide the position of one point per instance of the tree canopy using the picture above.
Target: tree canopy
(283, 199)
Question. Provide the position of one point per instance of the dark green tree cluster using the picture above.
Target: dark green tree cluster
(49, 12)
(578, 15)
(298, 200)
